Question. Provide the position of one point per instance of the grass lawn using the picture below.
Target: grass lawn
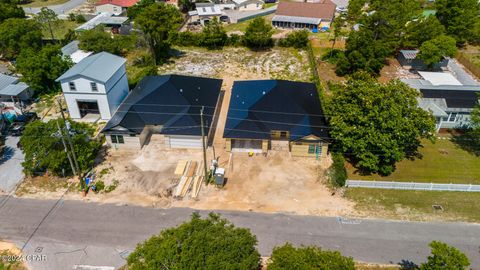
(442, 162)
(242, 26)
(60, 30)
(416, 205)
(43, 3)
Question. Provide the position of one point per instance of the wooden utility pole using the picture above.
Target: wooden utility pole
(66, 149)
(69, 140)
(204, 146)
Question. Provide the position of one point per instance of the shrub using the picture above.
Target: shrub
(188, 39)
(211, 243)
(80, 18)
(112, 187)
(99, 186)
(234, 40)
(333, 55)
(296, 39)
(337, 172)
(305, 258)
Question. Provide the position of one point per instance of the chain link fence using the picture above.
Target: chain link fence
(412, 186)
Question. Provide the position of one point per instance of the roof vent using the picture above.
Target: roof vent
(196, 99)
(238, 96)
(181, 90)
(199, 88)
(243, 102)
(263, 92)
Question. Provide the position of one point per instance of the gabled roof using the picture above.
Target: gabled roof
(121, 3)
(171, 101)
(409, 54)
(324, 9)
(14, 89)
(6, 80)
(99, 67)
(258, 107)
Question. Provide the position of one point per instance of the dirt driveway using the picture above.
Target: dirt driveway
(273, 183)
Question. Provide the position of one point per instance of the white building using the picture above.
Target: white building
(95, 87)
(115, 7)
(244, 5)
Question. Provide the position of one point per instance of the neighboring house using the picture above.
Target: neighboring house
(205, 12)
(304, 15)
(450, 102)
(408, 60)
(95, 87)
(71, 50)
(106, 19)
(116, 7)
(280, 115)
(165, 110)
(13, 91)
(244, 5)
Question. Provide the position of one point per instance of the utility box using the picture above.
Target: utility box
(219, 177)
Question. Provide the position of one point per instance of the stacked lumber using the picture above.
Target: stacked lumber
(197, 184)
(181, 166)
(187, 178)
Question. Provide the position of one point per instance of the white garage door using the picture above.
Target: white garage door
(185, 141)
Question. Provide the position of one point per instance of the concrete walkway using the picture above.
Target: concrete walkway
(11, 170)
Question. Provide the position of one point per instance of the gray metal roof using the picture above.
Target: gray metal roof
(294, 19)
(437, 106)
(70, 48)
(409, 54)
(102, 18)
(99, 67)
(6, 80)
(13, 89)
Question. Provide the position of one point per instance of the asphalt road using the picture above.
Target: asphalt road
(59, 9)
(77, 233)
(11, 170)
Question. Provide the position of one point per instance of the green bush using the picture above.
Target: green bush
(111, 187)
(211, 243)
(188, 39)
(333, 55)
(234, 40)
(80, 18)
(296, 39)
(99, 185)
(337, 172)
(288, 257)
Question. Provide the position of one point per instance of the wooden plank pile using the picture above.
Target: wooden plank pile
(190, 179)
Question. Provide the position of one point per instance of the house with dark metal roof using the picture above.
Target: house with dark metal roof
(318, 15)
(449, 101)
(283, 115)
(165, 109)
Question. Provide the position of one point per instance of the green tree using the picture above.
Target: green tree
(159, 23)
(214, 35)
(211, 243)
(421, 30)
(258, 34)
(41, 68)
(445, 257)
(296, 39)
(17, 34)
(134, 10)
(338, 172)
(9, 9)
(44, 151)
(433, 51)
(47, 19)
(288, 257)
(458, 17)
(376, 125)
(97, 40)
(187, 5)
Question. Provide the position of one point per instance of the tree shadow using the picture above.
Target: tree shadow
(467, 141)
(8, 153)
(407, 265)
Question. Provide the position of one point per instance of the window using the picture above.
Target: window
(72, 86)
(283, 134)
(94, 87)
(453, 117)
(311, 149)
(117, 139)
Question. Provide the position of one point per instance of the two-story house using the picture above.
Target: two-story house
(95, 87)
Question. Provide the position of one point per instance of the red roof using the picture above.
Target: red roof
(121, 3)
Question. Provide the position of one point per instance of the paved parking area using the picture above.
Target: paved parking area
(11, 171)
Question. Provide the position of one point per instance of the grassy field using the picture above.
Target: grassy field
(60, 29)
(442, 162)
(43, 3)
(416, 205)
(242, 26)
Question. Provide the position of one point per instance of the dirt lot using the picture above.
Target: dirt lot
(241, 63)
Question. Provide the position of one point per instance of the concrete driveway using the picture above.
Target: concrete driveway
(11, 171)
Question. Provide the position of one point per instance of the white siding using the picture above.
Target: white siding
(179, 141)
(101, 100)
(116, 10)
(130, 142)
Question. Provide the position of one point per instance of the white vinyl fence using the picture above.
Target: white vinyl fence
(412, 186)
